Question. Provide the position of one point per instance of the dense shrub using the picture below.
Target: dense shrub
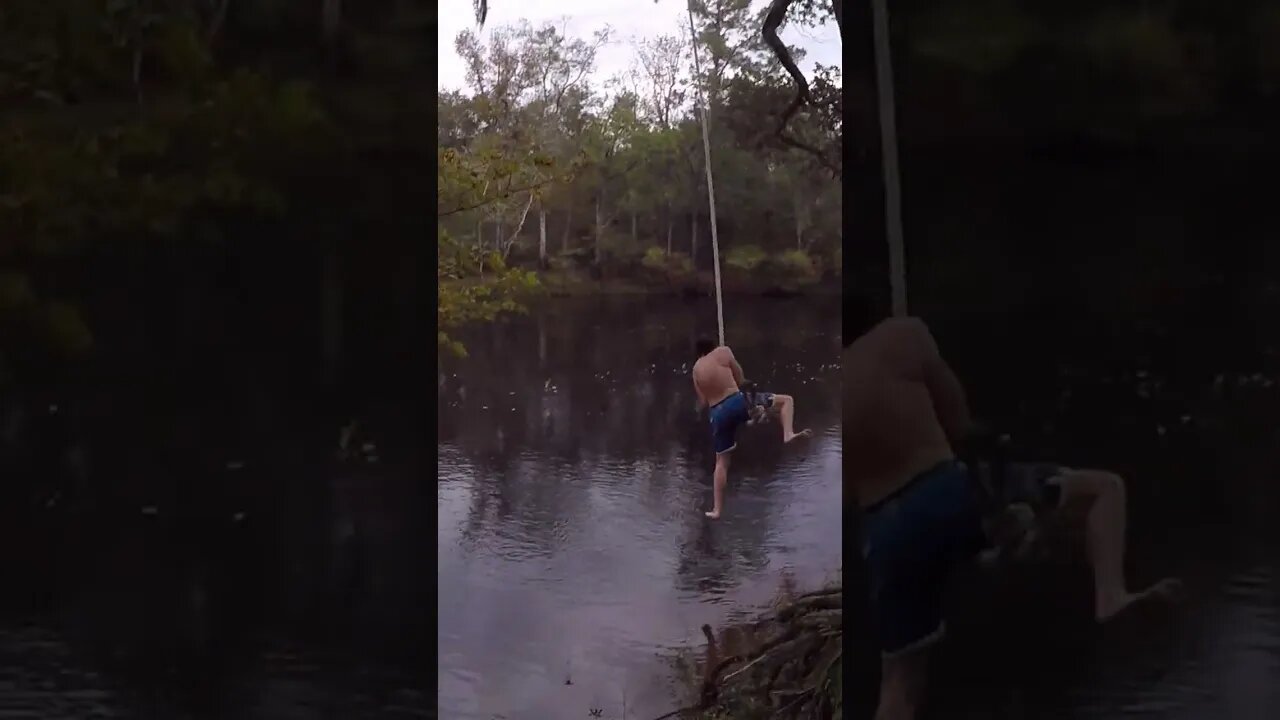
(655, 258)
(795, 267)
(659, 266)
(745, 258)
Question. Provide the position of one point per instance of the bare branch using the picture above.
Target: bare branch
(812, 629)
(217, 21)
(772, 21)
(511, 241)
(505, 193)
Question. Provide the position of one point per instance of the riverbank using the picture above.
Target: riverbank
(561, 283)
(787, 663)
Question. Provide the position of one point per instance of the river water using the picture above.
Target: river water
(215, 575)
(574, 561)
(574, 557)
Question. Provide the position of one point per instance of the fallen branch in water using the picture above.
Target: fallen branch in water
(803, 653)
(810, 603)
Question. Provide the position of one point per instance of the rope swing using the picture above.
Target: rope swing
(711, 186)
(889, 154)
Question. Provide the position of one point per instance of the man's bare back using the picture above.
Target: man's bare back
(904, 412)
(904, 408)
(717, 379)
(716, 376)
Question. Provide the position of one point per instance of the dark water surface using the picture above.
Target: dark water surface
(573, 473)
(215, 575)
(574, 559)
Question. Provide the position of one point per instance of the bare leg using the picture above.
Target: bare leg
(785, 406)
(719, 479)
(902, 685)
(1103, 494)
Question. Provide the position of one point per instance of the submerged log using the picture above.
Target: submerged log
(794, 671)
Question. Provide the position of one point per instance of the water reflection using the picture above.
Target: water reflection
(573, 471)
(179, 571)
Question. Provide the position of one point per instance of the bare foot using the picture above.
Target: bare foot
(713, 514)
(803, 433)
(1167, 590)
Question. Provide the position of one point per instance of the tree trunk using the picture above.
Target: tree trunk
(670, 226)
(542, 237)
(568, 228)
(635, 237)
(137, 73)
(480, 233)
(504, 246)
(330, 20)
(693, 240)
(542, 342)
(599, 227)
(331, 304)
(803, 218)
(216, 22)
(497, 236)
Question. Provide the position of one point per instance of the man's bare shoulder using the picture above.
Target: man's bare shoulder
(721, 355)
(906, 327)
(902, 347)
(896, 333)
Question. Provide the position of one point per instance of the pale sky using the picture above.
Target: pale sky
(629, 19)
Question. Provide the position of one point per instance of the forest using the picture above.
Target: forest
(213, 308)
(213, 258)
(550, 175)
(186, 184)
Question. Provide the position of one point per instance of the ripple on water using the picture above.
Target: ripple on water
(577, 548)
(1223, 662)
(40, 678)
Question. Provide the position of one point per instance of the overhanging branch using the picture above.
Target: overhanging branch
(772, 21)
(503, 194)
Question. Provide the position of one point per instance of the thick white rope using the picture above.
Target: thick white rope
(889, 155)
(711, 186)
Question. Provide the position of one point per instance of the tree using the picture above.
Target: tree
(725, 51)
(160, 141)
(629, 152)
(474, 283)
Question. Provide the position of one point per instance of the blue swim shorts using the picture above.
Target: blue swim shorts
(731, 413)
(911, 541)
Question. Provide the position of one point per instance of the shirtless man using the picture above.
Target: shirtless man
(904, 413)
(716, 380)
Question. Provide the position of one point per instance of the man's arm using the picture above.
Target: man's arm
(947, 393)
(734, 367)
